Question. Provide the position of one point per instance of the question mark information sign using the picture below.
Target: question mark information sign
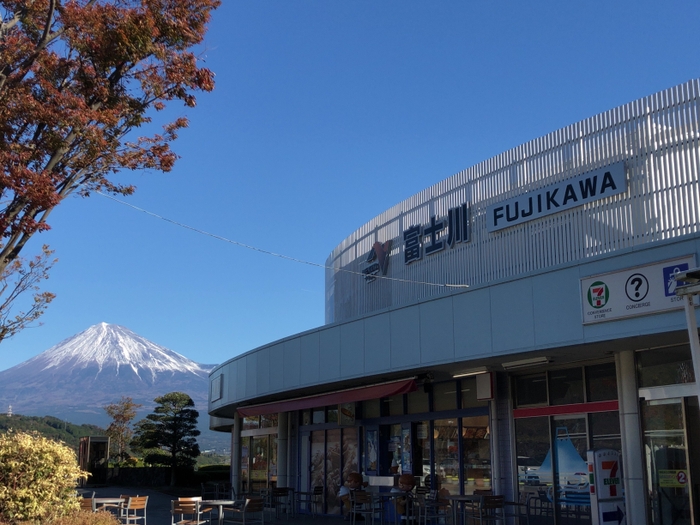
(636, 291)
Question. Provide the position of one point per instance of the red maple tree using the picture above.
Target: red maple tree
(76, 78)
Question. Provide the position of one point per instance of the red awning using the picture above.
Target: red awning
(364, 393)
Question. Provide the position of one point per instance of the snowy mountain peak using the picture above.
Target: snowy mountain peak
(110, 347)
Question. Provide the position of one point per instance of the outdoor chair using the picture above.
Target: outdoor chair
(194, 500)
(88, 504)
(313, 500)
(364, 504)
(210, 490)
(134, 511)
(187, 512)
(490, 511)
(251, 512)
(282, 501)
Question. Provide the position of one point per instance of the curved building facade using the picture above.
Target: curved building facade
(487, 332)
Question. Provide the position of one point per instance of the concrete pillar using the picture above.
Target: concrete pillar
(236, 454)
(633, 459)
(282, 441)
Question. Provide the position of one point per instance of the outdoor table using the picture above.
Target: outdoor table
(387, 498)
(472, 501)
(220, 503)
(104, 503)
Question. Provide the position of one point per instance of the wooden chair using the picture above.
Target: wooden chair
(251, 512)
(88, 504)
(135, 510)
(187, 510)
(194, 500)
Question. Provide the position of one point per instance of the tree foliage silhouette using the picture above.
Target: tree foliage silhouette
(168, 435)
(77, 77)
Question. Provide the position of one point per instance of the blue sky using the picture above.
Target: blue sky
(325, 114)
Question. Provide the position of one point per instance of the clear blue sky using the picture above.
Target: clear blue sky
(325, 114)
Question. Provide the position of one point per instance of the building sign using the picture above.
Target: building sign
(377, 260)
(565, 195)
(636, 291)
(676, 479)
(437, 235)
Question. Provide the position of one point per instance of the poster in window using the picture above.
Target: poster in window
(406, 464)
(346, 414)
(372, 447)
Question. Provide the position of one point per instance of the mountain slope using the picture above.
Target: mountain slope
(76, 378)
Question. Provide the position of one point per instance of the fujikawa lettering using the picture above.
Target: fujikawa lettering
(565, 195)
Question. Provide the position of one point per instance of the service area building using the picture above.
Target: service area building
(490, 330)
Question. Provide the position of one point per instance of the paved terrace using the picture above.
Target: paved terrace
(158, 509)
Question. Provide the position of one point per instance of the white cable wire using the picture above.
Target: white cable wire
(267, 252)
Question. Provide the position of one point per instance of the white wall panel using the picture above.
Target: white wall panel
(292, 363)
(352, 342)
(511, 310)
(557, 319)
(310, 359)
(377, 351)
(330, 353)
(261, 369)
(472, 324)
(405, 338)
(436, 332)
(658, 139)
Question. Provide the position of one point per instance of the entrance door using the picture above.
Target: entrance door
(667, 424)
(573, 501)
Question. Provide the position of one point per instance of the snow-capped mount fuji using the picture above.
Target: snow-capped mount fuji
(76, 378)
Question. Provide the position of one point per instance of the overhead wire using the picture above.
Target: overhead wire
(268, 252)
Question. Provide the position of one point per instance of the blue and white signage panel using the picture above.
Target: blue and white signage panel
(565, 195)
(636, 291)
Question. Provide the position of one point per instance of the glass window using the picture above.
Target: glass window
(349, 452)
(446, 467)
(306, 417)
(269, 420)
(370, 409)
(566, 386)
(476, 451)
(394, 447)
(665, 366)
(245, 447)
(534, 462)
(531, 389)
(393, 406)
(332, 414)
(423, 448)
(445, 396)
(469, 399)
(605, 430)
(251, 422)
(418, 402)
(333, 472)
(601, 382)
(259, 462)
(318, 415)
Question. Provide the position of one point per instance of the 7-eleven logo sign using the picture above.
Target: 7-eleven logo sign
(598, 294)
(612, 479)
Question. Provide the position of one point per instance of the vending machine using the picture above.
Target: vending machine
(605, 485)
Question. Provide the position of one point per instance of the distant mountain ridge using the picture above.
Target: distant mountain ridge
(76, 378)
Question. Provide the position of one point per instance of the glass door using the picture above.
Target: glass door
(668, 469)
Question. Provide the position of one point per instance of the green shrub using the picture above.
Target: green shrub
(37, 478)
